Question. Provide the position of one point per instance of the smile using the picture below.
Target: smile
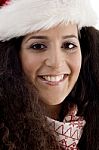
(53, 79)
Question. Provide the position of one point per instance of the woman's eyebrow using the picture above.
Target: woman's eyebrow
(70, 36)
(37, 37)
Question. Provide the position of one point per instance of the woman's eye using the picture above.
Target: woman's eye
(69, 46)
(38, 46)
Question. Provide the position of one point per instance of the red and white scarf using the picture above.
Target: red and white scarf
(69, 131)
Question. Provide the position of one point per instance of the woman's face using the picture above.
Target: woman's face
(51, 59)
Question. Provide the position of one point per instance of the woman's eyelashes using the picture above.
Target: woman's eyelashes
(69, 46)
(37, 46)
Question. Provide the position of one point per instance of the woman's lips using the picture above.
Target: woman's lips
(53, 79)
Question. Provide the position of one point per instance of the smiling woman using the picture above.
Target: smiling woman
(51, 60)
(48, 75)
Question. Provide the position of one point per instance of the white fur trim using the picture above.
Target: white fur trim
(21, 17)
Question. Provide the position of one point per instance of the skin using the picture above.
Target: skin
(52, 52)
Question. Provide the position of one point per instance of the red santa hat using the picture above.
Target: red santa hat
(20, 17)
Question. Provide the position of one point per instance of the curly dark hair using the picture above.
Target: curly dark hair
(23, 124)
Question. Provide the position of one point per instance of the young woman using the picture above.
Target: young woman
(48, 76)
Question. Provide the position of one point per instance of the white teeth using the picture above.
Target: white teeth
(53, 78)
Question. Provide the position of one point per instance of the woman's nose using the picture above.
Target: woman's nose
(55, 58)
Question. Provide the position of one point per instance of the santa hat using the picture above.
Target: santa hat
(20, 17)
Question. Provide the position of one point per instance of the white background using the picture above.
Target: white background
(95, 5)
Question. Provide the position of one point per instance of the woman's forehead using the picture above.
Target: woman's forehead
(61, 29)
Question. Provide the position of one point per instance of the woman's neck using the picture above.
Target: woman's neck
(54, 111)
